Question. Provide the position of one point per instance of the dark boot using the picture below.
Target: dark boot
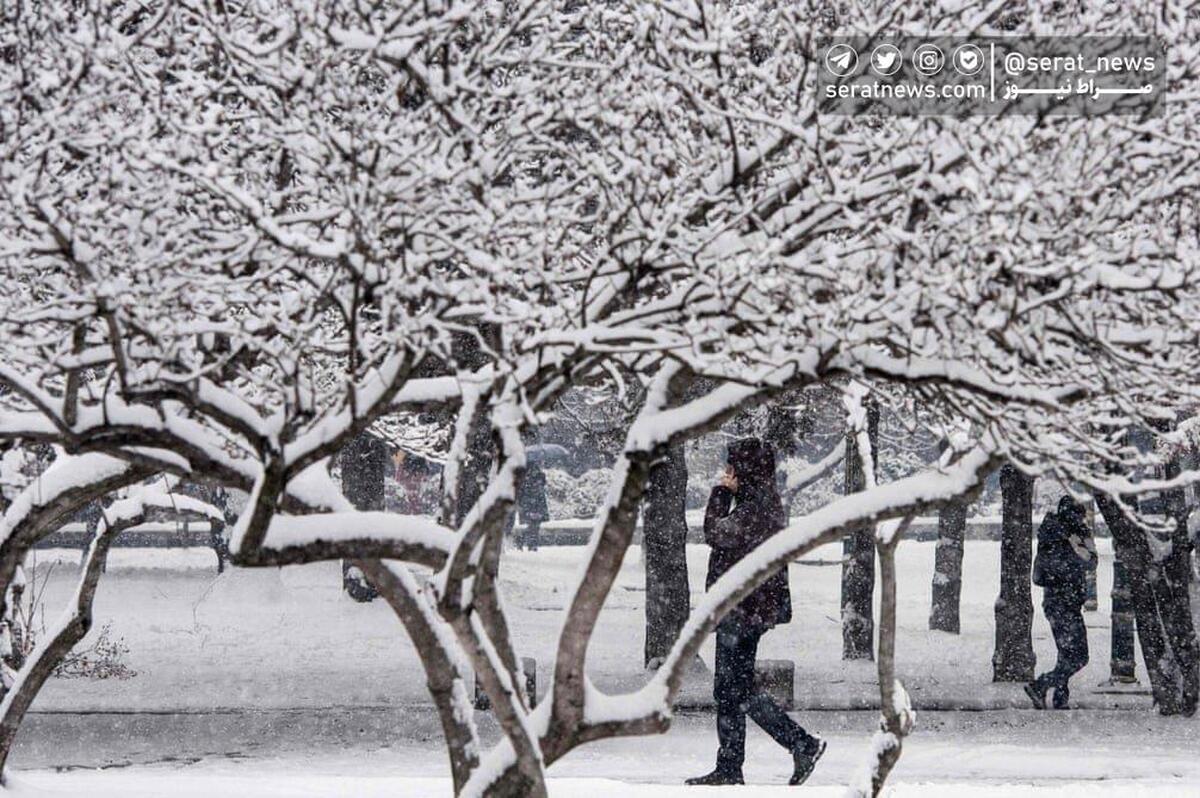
(1037, 694)
(805, 758)
(720, 777)
(1062, 697)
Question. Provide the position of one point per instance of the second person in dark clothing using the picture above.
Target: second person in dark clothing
(531, 504)
(743, 511)
(1065, 553)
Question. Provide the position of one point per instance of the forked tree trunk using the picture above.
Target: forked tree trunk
(481, 628)
(1171, 594)
(1013, 660)
(1131, 547)
(858, 554)
(664, 551)
(947, 568)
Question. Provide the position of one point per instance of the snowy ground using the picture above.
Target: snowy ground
(999, 753)
(291, 639)
(262, 672)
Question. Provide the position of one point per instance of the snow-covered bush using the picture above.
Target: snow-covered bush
(104, 658)
(576, 497)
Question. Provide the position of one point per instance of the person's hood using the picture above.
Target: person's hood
(1069, 508)
(754, 463)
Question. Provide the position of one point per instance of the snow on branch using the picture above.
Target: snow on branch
(375, 535)
(68, 475)
(799, 480)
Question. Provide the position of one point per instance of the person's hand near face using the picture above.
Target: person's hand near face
(729, 479)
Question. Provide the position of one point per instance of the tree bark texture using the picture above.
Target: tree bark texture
(664, 549)
(895, 713)
(947, 568)
(1013, 660)
(1132, 548)
(858, 555)
(1122, 664)
(364, 463)
(1174, 599)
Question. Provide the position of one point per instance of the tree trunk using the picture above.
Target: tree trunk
(664, 551)
(1192, 500)
(947, 569)
(481, 450)
(364, 463)
(1133, 550)
(1092, 603)
(5, 446)
(1123, 667)
(1013, 660)
(441, 658)
(858, 554)
(1171, 594)
(1174, 600)
(895, 712)
(476, 468)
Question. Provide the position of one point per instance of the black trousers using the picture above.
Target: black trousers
(737, 697)
(1070, 638)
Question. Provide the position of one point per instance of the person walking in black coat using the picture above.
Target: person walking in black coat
(1065, 553)
(743, 511)
(531, 504)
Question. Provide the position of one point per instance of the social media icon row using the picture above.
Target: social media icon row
(886, 59)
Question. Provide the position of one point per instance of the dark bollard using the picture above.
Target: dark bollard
(529, 665)
(355, 583)
(481, 700)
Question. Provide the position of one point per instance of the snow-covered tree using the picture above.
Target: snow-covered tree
(237, 235)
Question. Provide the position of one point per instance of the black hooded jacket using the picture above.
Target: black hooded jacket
(735, 525)
(1064, 555)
